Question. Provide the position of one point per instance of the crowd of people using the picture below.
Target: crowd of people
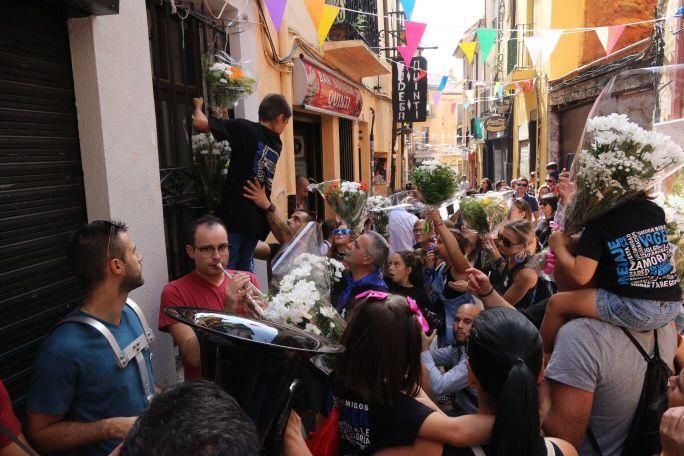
(454, 344)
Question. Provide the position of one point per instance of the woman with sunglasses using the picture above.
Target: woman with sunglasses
(341, 240)
(548, 205)
(377, 400)
(512, 250)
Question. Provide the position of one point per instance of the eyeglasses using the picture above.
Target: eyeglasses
(507, 242)
(542, 203)
(522, 185)
(341, 231)
(551, 180)
(208, 250)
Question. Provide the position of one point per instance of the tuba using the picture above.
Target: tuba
(256, 362)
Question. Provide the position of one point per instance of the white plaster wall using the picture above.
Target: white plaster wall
(117, 130)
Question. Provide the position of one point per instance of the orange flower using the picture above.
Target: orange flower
(364, 187)
(237, 73)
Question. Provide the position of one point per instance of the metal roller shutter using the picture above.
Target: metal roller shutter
(41, 184)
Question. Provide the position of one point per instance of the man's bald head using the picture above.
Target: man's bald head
(463, 321)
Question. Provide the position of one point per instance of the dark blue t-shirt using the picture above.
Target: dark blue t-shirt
(76, 374)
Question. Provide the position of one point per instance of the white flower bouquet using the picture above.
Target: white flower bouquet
(303, 297)
(348, 200)
(622, 161)
(437, 184)
(673, 205)
(227, 83)
(211, 159)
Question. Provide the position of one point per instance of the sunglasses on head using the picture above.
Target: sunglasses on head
(341, 231)
(507, 242)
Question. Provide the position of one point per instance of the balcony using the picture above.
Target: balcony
(351, 25)
(355, 59)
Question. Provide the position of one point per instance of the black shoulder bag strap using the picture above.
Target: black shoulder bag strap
(656, 355)
(6, 432)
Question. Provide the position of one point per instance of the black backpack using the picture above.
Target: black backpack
(643, 437)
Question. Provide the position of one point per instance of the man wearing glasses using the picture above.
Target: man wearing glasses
(206, 287)
(521, 186)
(93, 375)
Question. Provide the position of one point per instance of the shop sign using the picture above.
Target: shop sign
(495, 124)
(410, 91)
(319, 89)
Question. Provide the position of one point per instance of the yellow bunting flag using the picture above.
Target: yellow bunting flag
(315, 8)
(468, 49)
(327, 18)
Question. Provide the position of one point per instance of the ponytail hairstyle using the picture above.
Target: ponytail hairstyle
(505, 355)
(414, 261)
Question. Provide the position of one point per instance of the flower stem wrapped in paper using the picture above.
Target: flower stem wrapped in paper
(632, 142)
(485, 213)
(211, 159)
(302, 279)
(348, 200)
(437, 184)
(227, 83)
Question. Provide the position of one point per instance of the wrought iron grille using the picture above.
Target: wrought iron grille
(361, 26)
(177, 44)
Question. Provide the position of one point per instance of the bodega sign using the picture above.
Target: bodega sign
(410, 91)
(319, 89)
(495, 124)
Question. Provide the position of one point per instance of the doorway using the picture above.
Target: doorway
(308, 154)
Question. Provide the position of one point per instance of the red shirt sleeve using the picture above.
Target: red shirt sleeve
(7, 417)
(170, 297)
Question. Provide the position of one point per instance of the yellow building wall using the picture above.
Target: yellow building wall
(568, 53)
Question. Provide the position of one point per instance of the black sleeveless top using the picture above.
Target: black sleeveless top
(541, 449)
(502, 281)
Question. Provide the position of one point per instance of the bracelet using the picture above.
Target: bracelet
(487, 294)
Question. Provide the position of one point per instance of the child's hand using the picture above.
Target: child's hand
(559, 240)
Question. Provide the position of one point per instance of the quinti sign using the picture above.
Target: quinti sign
(319, 89)
(495, 124)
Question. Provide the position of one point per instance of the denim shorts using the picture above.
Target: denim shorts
(634, 313)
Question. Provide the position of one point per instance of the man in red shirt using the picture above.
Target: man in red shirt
(206, 287)
(11, 424)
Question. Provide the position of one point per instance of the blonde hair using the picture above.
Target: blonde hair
(524, 231)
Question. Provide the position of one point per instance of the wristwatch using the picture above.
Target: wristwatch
(271, 208)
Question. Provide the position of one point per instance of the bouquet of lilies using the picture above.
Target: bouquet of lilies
(211, 159)
(622, 160)
(348, 200)
(227, 82)
(437, 184)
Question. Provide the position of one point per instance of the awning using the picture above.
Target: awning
(84, 8)
(355, 59)
(320, 89)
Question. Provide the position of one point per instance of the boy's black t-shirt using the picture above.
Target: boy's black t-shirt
(366, 428)
(630, 244)
(255, 153)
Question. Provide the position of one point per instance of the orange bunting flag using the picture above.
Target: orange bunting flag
(315, 8)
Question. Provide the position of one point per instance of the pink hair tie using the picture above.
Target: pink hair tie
(413, 307)
(372, 294)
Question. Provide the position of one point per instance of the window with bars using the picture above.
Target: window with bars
(359, 26)
(346, 149)
(178, 43)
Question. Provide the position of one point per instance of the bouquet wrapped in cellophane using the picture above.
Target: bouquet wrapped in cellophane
(673, 205)
(301, 284)
(632, 142)
(437, 184)
(378, 207)
(348, 200)
(485, 213)
(227, 83)
(211, 159)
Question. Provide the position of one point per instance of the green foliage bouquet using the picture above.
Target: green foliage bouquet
(436, 182)
(211, 159)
